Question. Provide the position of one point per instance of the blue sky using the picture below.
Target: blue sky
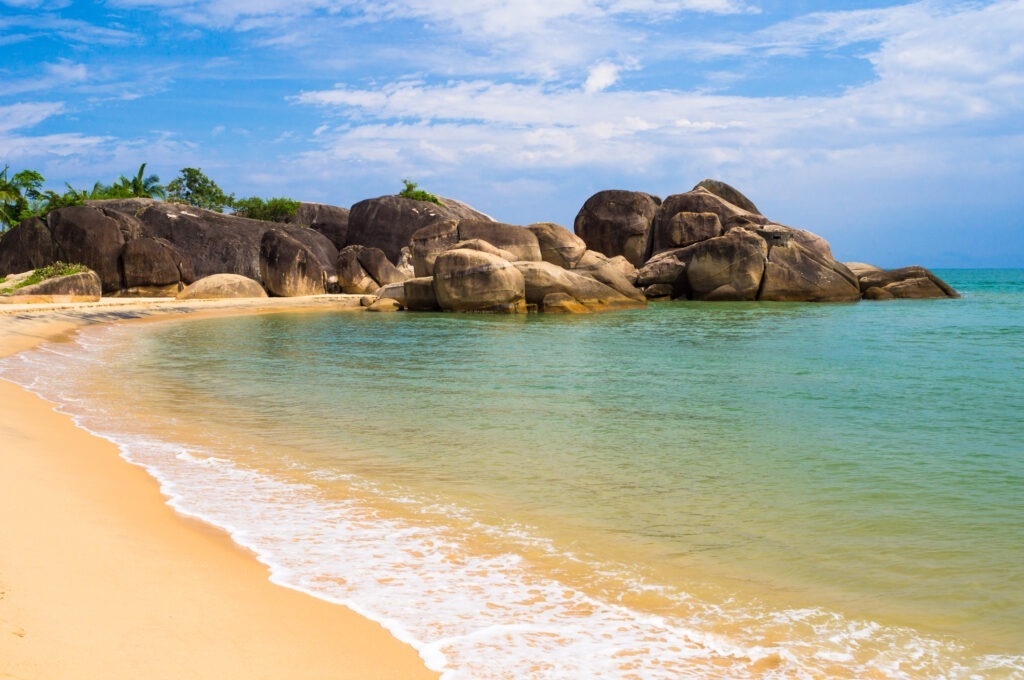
(896, 131)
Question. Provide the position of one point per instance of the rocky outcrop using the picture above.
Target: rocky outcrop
(905, 283)
(26, 247)
(93, 237)
(684, 219)
(544, 279)
(82, 287)
(420, 295)
(727, 267)
(472, 281)
(615, 273)
(388, 222)
(329, 220)
(428, 243)
(558, 245)
(363, 270)
(384, 305)
(730, 194)
(615, 222)
(797, 274)
(289, 268)
(219, 286)
(152, 267)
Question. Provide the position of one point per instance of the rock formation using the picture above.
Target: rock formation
(617, 222)
(219, 286)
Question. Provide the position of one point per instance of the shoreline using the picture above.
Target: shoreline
(100, 577)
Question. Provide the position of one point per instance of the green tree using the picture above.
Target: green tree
(270, 210)
(192, 186)
(17, 193)
(137, 186)
(410, 191)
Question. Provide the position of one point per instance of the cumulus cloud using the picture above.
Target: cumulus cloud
(601, 77)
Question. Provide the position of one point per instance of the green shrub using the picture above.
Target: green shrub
(52, 271)
(270, 210)
(410, 191)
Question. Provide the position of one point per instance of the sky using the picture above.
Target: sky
(894, 130)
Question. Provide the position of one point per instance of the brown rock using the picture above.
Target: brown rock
(385, 305)
(543, 279)
(562, 303)
(609, 271)
(901, 283)
(659, 291)
(699, 201)
(686, 228)
(876, 293)
(81, 287)
(859, 269)
(663, 268)
(93, 237)
(26, 247)
(615, 222)
(485, 247)
(288, 268)
(728, 193)
(728, 267)
(395, 291)
(472, 281)
(219, 286)
(519, 241)
(793, 274)
(420, 295)
(429, 242)
(558, 245)
(153, 263)
(329, 220)
(362, 269)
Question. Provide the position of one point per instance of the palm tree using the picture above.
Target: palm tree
(141, 186)
(15, 194)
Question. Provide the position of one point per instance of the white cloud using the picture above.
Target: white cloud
(601, 77)
(64, 73)
(27, 114)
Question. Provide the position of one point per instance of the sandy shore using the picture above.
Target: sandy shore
(99, 578)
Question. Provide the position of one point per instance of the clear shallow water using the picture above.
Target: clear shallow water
(713, 490)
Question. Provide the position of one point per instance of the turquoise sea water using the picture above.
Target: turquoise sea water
(694, 489)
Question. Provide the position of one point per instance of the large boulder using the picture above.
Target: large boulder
(793, 273)
(730, 194)
(472, 281)
(81, 287)
(26, 246)
(329, 220)
(362, 270)
(664, 268)
(289, 268)
(219, 286)
(388, 222)
(432, 240)
(152, 266)
(617, 222)
(728, 267)
(905, 283)
(558, 245)
(94, 237)
(695, 224)
(420, 295)
(614, 272)
(544, 279)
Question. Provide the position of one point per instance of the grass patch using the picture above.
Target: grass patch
(51, 271)
(410, 191)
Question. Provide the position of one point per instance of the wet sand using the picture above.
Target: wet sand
(99, 578)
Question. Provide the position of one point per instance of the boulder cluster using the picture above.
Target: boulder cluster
(710, 243)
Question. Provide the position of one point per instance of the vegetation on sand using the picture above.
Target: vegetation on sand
(411, 191)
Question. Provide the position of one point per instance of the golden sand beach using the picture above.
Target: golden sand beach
(99, 578)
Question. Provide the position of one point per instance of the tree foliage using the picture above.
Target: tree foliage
(192, 186)
(411, 191)
(17, 194)
(270, 210)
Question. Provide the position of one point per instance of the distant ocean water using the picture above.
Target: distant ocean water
(692, 490)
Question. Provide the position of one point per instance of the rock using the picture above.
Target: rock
(81, 287)
(436, 238)
(794, 274)
(388, 222)
(385, 305)
(543, 279)
(395, 291)
(728, 267)
(730, 194)
(93, 237)
(329, 220)
(26, 247)
(561, 303)
(288, 268)
(659, 291)
(472, 281)
(217, 286)
(618, 222)
(686, 228)
(485, 247)
(608, 271)
(363, 270)
(419, 294)
(404, 263)
(429, 242)
(367, 300)
(151, 263)
(859, 269)
(876, 293)
(908, 283)
(665, 231)
(558, 245)
(663, 268)
(519, 241)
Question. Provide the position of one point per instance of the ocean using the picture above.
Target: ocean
(705, 490)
